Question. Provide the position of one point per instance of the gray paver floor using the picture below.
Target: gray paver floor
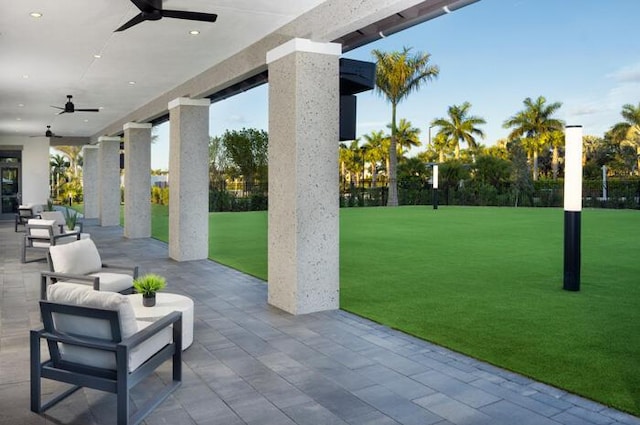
(251, 363)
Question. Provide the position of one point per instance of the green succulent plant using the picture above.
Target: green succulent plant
(149, 284)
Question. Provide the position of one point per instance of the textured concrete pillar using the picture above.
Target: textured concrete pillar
(303, 170)
(137, 180)
(189, 179)
(109, 181)
(90, 181)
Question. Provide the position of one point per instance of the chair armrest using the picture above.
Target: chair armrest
(73, 278)
(131, 269)
(75, 234)
(173, 318)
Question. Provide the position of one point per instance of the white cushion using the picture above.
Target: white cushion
(70, 293)
(42, 233)
(53, 215)
(80, 257)
(114, 282)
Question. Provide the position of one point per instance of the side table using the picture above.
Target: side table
(165, 304)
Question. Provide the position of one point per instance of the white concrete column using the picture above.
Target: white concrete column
(189, 179)
(109, 181)
(90, 181)
(303, 170)
(137, 180)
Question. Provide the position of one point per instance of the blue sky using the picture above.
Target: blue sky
(493, 54)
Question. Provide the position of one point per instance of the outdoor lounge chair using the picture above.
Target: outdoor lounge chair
(43, 234)
(94, 341)
(25, 213)
(80, 262)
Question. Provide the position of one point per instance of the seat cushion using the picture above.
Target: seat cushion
(79, 257)
(114, 282)
(70, 293)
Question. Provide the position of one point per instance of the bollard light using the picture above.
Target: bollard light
(572, 206)
(435, 185)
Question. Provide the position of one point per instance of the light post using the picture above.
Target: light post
(572, 206)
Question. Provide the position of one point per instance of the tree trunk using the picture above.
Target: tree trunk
(374, 175)
(554, 163)
(441, 156)
(393, 162)
(535, 166)
(457, 150)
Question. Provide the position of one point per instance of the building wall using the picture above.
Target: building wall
(35, 166)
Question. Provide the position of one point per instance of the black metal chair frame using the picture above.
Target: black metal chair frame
(51, 239)
(119, 381)
(51, 276)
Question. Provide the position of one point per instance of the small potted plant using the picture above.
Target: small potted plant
(148, 285)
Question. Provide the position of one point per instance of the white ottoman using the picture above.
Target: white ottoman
(165, 304)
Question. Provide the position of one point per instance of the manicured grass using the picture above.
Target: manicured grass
(486, 282)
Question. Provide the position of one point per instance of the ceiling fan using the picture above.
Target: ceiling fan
(151, 10)
(49, 133)
(70, 108)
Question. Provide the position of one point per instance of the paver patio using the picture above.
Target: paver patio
(254, 364)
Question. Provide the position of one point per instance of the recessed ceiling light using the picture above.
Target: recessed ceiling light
(86, 120)
(194, 32)
(20, 105)
(131, 83)
(97, 56)
(35, 14)
(18, 119)
(25, 76)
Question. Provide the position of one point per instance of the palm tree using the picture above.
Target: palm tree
(406, 136)
(398, 74)
(555, 139)
(533, 122)
(74, 153)
(58, 164)
(460, 127)
(627, 133)
(375, 152)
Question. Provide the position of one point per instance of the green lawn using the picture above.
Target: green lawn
(486, 282)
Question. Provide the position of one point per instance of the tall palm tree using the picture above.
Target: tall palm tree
(533, 122)
(460, 127)
(398, 74)
(555, 139)
(406, 136)
(58, 165)
(74, 153)
(375, 152)
(627, 133)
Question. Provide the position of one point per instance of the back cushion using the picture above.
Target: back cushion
(57, 216)
(42, 232)
(84, 295)
(78, 257)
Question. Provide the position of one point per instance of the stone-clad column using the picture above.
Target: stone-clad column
(137, 180)
(109, 176)
(90, 181)
(189, 179)
(303, 182)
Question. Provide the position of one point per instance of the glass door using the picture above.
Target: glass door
(9, 189)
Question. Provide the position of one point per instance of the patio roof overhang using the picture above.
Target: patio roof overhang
(140, 70)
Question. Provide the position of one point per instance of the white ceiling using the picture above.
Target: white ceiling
(57, 51)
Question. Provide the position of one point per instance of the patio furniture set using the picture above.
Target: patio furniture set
(97, 331)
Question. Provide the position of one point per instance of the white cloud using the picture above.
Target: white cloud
(627, 74)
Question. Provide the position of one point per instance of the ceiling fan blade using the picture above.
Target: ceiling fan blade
(62, 112)
(57, 107)
(131, 22)
(192, 16)
(88, 110)
(146, 6)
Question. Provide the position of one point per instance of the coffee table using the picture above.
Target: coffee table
(165, 304)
